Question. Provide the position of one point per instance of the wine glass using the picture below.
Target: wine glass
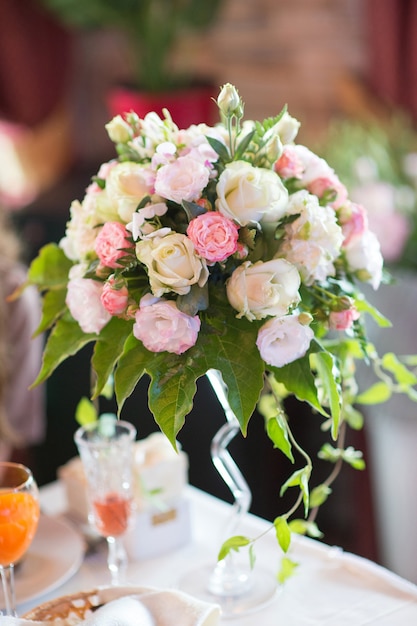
(106, 451)
(19, 517)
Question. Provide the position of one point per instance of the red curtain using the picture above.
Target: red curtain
(34, 62)
(392, 36)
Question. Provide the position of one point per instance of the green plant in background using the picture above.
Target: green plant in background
(377, 161)
(153, 29)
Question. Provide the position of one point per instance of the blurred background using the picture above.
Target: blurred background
(347, 69)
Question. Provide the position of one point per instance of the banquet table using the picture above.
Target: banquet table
(329, 586)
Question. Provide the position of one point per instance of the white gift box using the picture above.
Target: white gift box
(154, 531)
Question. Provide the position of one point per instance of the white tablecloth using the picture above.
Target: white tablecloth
(330, 587)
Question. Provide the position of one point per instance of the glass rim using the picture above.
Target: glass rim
(17, 466)
(87, 428)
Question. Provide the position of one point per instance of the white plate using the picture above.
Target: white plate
(55, 555)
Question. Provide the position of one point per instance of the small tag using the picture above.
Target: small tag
(166, 516)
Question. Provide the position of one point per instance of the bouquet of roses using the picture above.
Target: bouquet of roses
(231, 248)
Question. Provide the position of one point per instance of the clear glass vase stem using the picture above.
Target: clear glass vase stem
(7, 581)
(116, 560)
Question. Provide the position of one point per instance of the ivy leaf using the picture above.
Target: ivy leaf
(376, 394)
(85, 412)
(300, 479)
(277, 431)
(233, 543)
(298, 379)
(319, 495)
(354, 458)
(329, 375)
(305, 527)
(283, 533)
(363, 306)
(403, 375)
(287, 570)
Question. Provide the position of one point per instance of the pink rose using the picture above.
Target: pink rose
(342, 320)
(183, 179)
(161, 326)
(114, 297)
(289, 165)
(111, 244)
(331, 183)
(214, 236)
(282, 340)
(84, 302)
(354, 222)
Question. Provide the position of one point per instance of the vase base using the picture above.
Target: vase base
(252, 593)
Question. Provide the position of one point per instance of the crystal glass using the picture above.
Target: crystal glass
(19, 517)
(106, 451)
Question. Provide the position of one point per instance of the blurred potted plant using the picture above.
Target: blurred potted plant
(153, 29)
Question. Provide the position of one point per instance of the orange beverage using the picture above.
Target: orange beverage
(112, 514)
(19, 516)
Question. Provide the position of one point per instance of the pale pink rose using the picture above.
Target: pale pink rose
(282, 340)
(343, 320)
(354, 221)
(161, 326)
(289, 165)
(214, 236)
(329, 184)
(110, 244)
(114, 297)
(84, 303)
(183, 179)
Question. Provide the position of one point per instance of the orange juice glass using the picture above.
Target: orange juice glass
(19, 517)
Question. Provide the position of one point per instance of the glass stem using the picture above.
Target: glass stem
(7, 581)
(116, 560)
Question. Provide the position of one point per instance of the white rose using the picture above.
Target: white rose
(313, 241)
(364, 258)
(119, 130)
(282, 340)
(287, 128)
(263, 289)
(126, 185)
(250, 194)
(172, 263)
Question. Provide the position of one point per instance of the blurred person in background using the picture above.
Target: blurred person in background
(22, 413)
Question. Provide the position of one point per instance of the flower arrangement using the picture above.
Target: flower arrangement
(377, 161)
(231, 248)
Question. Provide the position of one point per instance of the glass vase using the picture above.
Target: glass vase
(231, 583)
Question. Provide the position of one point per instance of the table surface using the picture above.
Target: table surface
(329, 586)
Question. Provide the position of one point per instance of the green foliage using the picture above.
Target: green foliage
(85, 412)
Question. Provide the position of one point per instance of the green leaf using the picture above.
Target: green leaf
(329, 453)
(319, 495)
(298, 379)
(376, 394)
(283, 533)
(305, 527)
(233, 543)
(300, 479)
(354, 458)
(49, 270)
(329, 375)
(219, 148)
(65, 340)
(243, 145)
(364, 306)
(86, 412)
(108, 349)
(53, 307)
(287, 570)
(403, 375)
(278, 433)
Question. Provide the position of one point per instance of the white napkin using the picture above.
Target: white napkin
(150, 607)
